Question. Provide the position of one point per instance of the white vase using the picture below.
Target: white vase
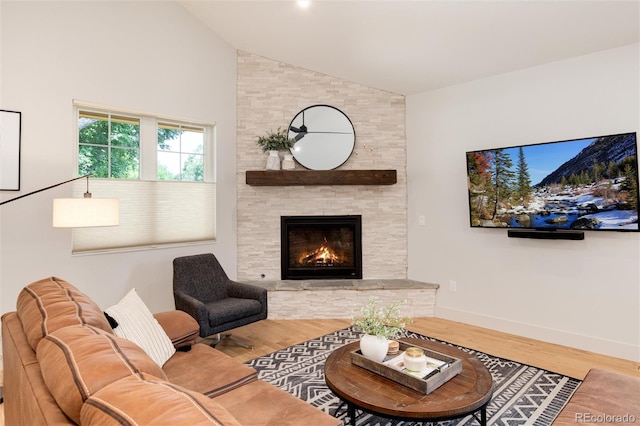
(374, 347)
(273, 161)
(288, 163)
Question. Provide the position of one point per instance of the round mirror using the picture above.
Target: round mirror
(324, 136)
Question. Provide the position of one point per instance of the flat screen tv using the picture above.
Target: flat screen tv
(579, 184)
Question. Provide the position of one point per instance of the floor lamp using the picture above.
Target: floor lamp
(80, 212)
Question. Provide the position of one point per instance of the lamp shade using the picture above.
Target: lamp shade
(85, 212)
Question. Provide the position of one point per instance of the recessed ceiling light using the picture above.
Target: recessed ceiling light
(304, 3)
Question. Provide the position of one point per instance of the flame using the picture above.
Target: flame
(322, 256)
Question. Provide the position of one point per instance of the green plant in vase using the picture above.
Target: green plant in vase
(379, 325)
(273, 142)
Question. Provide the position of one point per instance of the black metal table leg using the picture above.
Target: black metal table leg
(352, 413)
(483, 416)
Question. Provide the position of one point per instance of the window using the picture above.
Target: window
(180, 152)
(160, 169)
(109, 145)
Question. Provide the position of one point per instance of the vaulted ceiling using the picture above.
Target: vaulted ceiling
(409, 47)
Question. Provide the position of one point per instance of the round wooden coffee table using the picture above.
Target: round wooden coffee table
(469, 392)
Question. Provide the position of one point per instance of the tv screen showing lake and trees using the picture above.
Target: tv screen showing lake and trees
(580, 184)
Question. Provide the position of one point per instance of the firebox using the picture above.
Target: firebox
(321, 247)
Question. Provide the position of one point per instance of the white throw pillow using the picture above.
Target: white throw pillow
(136, 323)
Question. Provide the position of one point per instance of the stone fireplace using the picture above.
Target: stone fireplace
(270, 94)
(321, 247)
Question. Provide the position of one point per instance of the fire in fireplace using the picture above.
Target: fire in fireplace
(321, 247)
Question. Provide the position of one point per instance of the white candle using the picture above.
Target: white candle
(415, 359)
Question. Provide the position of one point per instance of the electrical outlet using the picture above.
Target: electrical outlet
(421, 220)
(453, 286)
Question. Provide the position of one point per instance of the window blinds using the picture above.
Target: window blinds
(151, 213)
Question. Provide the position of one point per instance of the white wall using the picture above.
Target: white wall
(584, 294)
(151, 57)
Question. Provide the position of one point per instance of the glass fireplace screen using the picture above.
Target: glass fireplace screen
(317, 247)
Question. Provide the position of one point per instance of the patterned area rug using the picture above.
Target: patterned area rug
(523, 395)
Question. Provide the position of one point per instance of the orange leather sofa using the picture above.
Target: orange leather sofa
(64, 365)
(603, 397)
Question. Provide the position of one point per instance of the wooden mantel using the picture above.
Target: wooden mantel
(320, 177)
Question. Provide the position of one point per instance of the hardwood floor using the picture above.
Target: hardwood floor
(271, 335)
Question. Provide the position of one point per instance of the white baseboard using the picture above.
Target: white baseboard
(560, 337)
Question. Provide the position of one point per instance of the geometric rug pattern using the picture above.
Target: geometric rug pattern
(523, 395)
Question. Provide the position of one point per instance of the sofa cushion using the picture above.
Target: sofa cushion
(151, 401)
(271, 406)
(208, 371)
(78, 361)
(136, 323)
(52, 303)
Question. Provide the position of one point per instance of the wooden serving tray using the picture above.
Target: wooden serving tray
(427, 384)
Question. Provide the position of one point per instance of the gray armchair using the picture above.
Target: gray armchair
(202, 289)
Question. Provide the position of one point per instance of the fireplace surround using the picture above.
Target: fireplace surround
(321, 247)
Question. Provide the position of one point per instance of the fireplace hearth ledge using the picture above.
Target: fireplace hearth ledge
(316, 285)
(316, 299)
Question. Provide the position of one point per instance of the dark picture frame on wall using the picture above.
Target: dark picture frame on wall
(10, 134)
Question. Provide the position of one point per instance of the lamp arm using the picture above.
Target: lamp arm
(48, 187)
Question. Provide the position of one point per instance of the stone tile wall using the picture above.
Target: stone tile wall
(269, 95)
(341, 298)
